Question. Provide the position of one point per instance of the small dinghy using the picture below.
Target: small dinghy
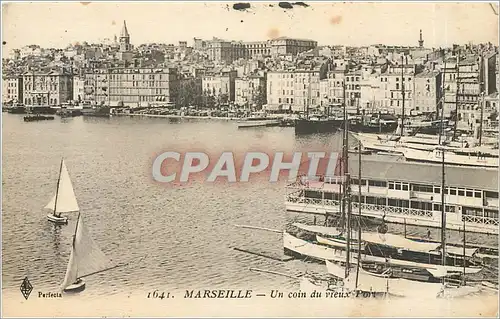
(64, 201)
(86, 259)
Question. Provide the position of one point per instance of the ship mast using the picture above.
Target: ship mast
(359, 213)
(343, 162)
(443, 211)
(483, 94)
(402, 95)
(443, 99)
(308, 98)
(456, 96)
(347, 190)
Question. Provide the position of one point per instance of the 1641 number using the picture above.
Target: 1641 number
(158, 294)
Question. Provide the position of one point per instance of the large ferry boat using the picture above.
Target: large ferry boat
(406, 193)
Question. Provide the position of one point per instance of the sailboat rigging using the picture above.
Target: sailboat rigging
(64, 200)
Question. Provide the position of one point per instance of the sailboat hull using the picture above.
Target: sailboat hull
(57, 220)
(78, 286)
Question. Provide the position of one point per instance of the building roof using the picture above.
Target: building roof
(423, 173)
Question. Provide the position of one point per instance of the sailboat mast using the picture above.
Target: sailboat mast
(403, 96)
(359, 213)
(443, 99)
(57, 189)
(76, 228)
(443, 211)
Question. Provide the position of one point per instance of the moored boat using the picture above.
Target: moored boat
(407, 193)
(317, 125)
(462, 157)
(37, 117)
(258, 122)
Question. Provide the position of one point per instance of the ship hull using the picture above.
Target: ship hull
(303, 126)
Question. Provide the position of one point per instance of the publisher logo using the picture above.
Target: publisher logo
(26, 288)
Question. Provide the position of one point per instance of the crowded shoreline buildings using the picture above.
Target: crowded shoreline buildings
(276, 75)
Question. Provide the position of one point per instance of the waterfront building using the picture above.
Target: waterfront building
(220, 85)
(78, 88)
(47, 88)
(132, 87)
(392, 81)
(250, 90)
(296, 90)
(280, 90)
(12, 89)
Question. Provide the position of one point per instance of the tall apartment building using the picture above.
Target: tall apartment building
(47, 88)
(219, 85)
(250, 90)
(476, 77)
(78, 88)
(133, 87)
(12, 89)
(293, 90)
(428, 92)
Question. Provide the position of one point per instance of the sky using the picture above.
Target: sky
(51, 24)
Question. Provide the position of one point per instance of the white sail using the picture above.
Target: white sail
(71, 271)
(86, 257)
(66, 199)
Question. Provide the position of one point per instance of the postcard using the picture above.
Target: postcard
(250, 159)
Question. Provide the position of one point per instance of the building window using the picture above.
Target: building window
(422, 188)
(377, 183)
(490, 194)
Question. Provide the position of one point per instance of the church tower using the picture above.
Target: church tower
(421, 41)
(124, 39)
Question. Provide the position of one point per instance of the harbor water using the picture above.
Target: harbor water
(175, 236)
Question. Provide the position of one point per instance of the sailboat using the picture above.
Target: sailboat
(64, 201)
(86, 259)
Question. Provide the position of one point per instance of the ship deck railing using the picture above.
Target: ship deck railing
(480, 220)
(386, 210)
